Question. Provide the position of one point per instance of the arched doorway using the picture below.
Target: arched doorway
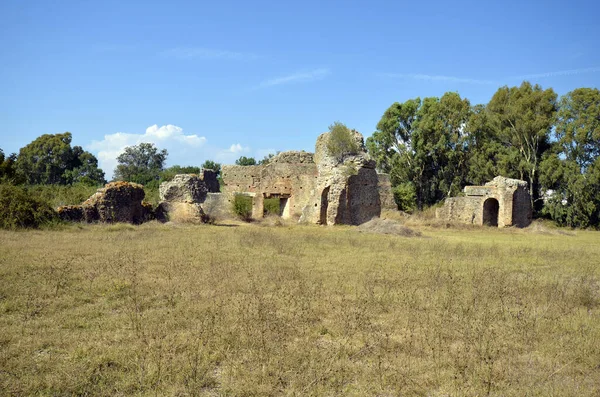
(490, 212)
(324, 205)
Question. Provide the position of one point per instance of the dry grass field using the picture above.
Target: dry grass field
(166, 310)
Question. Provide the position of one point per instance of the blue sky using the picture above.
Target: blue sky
(216, 80)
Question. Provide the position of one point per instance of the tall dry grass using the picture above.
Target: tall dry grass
(243, 311)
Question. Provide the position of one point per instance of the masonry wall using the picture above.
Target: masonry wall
(284, 180)
(386, 196)
(521, 211)
(463, 210)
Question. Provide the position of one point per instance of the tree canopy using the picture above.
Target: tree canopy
(245, 161)
(50, 159)
(433, 147)
(211, 165)
(141, 163)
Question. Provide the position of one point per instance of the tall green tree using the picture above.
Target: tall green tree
(141, 163)
(50, 159)
(211, 165)
(392, 148)
(8, 167)
(424, 146)
(243, 160)
(571, 173)
(522, 118)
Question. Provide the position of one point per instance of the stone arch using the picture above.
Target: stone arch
(491, 210)
(324, 206)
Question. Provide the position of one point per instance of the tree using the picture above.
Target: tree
(341, 142)
(85, 170)
(392, 147)
(571, 172)
(266, 159)
(50, 159)
(141, 163)
(211, 165)
(8, 170)
(424, 147)
(169, 173)
(245, 161)
(522, 118)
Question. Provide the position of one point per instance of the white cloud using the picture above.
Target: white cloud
(302, 77)
(559, 73)
(183, 148)
(237, 148)
(434, 78)
(207, 54)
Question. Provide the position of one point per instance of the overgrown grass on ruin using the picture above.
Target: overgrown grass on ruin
(248, 310)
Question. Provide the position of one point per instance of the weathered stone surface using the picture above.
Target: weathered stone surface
(501, 202)
(293, 157)
(183, 199)
(386, 196)
(289, 176)
(346, 190)
(71, 213)
(183, 187)
(317, 188)
(180, 212)
(116, 202)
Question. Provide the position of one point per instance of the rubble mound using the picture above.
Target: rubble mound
(183, 197)
(115, 202)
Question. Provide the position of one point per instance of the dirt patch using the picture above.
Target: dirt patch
(387, 226)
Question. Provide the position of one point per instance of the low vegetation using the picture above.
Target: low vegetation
(242, 207)
(21, 209)
(247, 310)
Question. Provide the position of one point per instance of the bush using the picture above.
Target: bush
(341, 141)
(60, 195)
(405, 197)
(21, 209)
(272, 207)
(242, 207)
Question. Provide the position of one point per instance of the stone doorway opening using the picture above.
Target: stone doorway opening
(276, 204)
(324, 206)
(491, 209)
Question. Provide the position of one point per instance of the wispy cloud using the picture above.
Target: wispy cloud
(207, 54)
(434, 78)
(301, 77)
(559, 73)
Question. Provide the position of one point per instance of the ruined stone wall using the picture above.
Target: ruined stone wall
(508, 197)
(462, 209)
(386, 196)
(289, 175)
(346, 190)
(521, 212)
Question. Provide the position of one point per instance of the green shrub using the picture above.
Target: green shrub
(272, 206)
(405, 196)
(59, 195)
(341, 141)
(242, 207)
(19, 208)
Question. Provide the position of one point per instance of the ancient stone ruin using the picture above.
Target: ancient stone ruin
(502, 202)
(319, 188)
(314, 188)
(188, 198)
(115, 202)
